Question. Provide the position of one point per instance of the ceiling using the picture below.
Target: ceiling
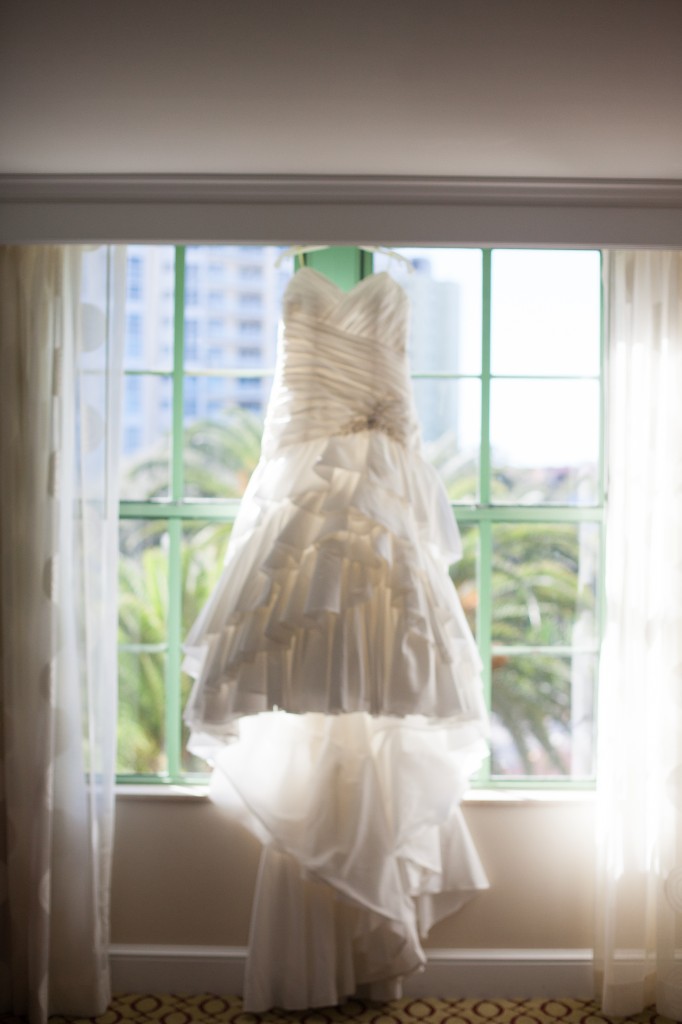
(513, 88)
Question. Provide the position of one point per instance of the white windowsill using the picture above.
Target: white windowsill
(528, 796)
(160, 791)
(475, 797)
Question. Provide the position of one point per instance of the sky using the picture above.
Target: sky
(545, 322)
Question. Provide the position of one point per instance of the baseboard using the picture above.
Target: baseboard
(188, 970)
(455, 973)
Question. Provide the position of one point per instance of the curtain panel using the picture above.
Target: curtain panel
(60, 381)
(639, 821)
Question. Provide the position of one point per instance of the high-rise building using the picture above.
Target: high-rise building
(231, 309)
(232, 304)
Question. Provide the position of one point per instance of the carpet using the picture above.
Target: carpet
(207, 1009)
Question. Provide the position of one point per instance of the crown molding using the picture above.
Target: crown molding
(340, 209)
(338, 189)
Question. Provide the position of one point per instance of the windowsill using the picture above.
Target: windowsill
(474, 798)
(506, 797)
(162, 791)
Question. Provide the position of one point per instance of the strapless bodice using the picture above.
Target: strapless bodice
(342, 362)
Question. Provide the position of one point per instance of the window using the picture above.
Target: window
(191, 340)
(250, 328)
(191, 397)
(131, 439)
(249, 352)
(505, 353)
(134, 342)
(134, 395)
(182, 477)
(191, 284)
(250, 272)
(134, 278)
(250, 300)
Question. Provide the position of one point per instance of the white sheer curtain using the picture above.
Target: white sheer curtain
(60, 380)
(639, 914)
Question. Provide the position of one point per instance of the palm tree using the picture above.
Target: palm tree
(219, 459)
(143, 613)
(536, 599)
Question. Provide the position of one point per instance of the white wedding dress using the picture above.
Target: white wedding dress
(337, 690)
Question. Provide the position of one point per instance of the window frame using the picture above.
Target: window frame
(347, 265)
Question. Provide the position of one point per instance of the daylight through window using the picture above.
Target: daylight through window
(506, 358)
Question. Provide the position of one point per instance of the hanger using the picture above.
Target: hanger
(301, 250)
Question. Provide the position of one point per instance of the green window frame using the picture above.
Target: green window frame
(347, 265)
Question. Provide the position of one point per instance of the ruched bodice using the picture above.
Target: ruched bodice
(342, 363)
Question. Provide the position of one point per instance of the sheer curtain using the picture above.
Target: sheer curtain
(639, 914)
(60, 379)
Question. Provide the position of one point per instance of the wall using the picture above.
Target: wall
(184, 874)
(586, 88)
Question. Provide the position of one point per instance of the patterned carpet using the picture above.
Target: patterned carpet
(206, 1009)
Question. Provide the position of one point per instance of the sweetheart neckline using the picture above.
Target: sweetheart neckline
(340, 292)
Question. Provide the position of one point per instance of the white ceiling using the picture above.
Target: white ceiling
(548, 88)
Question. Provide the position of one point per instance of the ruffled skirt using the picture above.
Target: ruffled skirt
(335, 652)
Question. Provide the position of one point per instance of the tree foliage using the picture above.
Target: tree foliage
(536, 591)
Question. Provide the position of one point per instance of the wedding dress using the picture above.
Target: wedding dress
(337, 685)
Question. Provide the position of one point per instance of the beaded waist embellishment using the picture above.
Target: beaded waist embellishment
(387, 415)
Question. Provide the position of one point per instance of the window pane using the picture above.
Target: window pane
(143, 581)
(216, 397)
(543, 715)
(450, 414)
(146, 446)
(141, 708)
(544, 439)
(222, 443)
(444, 290)
(150, 305)
(188, 762)
(203, 554)
(143, 616)
(233, 297)
(464, 574)
(544, 587)
(545, 312)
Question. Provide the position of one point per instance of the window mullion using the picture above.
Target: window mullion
(484, 482)
(484, 614)
(485, 559)
(174, 656)
(174, 625)
(177, 481)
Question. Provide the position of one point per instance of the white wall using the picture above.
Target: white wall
(184, 874)
(559, 88)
